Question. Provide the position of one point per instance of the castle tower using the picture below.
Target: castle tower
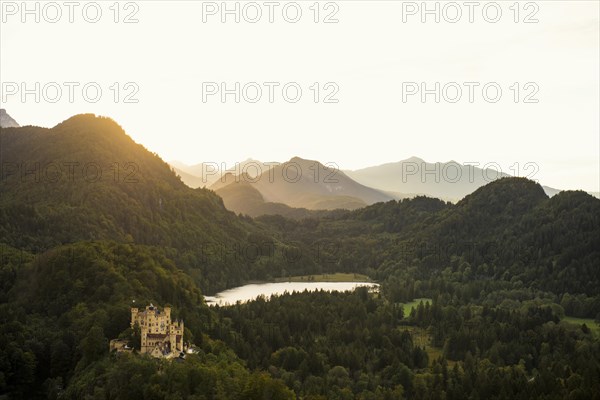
(134, 315)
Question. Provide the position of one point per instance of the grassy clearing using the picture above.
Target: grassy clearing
(420, 336)
(408, 306)
(593, 325)
(337, 277)
(422, 339)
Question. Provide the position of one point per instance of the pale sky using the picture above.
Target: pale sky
(370, 54)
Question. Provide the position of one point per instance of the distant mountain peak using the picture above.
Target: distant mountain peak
(6, 121)
(305, 162)
(298, 183)
(298, 159)
(428, 178)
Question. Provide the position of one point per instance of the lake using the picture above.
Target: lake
(253, 290)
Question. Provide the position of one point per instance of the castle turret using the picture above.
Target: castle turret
(134, 314)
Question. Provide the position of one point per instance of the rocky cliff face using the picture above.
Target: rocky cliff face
(6, 120)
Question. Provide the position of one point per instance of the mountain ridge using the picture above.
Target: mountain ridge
(304, 184)
(387, 178)
(446, 180)
(6, 121)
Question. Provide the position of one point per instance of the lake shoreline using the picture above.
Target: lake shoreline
(251, 291)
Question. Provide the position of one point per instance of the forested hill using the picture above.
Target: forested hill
(511, 230)
(85, 179)
(506, 230)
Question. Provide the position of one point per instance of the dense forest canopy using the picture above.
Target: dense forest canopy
(512, 277)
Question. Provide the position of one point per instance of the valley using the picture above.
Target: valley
(472, 295)
(412, 211)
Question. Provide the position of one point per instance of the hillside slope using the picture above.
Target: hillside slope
(243, 198)
(85, 179)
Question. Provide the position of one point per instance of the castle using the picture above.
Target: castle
(161, 337)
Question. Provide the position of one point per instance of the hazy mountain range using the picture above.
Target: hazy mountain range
(297, 183)
(276, 191)
(207, 173)
(445, 180)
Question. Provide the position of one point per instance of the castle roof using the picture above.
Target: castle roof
(152, 308)
(156, 335)
(161, 336)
